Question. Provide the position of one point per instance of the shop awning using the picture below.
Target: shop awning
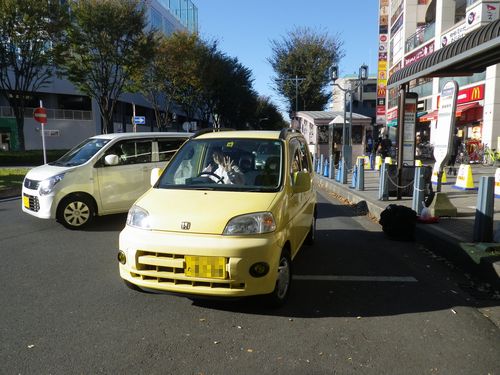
(471, 54)
(461, 109)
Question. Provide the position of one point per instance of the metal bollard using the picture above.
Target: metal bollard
(418, 191)
(383, 187)
(360, 178)
(331, 171)
(321, 164)
(339, 171)
(483, 223)
(354, 176)
(343, 172)
(325, 168)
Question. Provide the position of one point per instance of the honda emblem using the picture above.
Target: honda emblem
(185, 225)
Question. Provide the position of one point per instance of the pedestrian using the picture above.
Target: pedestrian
(385, 146)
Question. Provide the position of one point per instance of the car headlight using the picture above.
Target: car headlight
(256, 223)
(138, 217)
(47, 186)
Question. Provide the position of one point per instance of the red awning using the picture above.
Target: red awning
(461, 109)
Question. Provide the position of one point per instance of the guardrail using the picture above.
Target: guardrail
(55, 114)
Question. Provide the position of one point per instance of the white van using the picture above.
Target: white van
(103, 175)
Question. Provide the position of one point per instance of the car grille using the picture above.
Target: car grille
(31, 184)
(168, 269)
(34, 204)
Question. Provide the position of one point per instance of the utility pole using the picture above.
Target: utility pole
(297, 81)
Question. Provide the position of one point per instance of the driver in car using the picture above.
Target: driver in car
(224, 171)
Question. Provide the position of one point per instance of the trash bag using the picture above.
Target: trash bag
(398, 222)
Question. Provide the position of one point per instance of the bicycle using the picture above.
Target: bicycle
(463, 155)
(490, 157)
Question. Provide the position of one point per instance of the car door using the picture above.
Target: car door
(295, 199)
(120, 185)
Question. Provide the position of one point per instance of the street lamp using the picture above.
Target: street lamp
(350, 89)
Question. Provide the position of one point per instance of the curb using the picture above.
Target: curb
(442, 243)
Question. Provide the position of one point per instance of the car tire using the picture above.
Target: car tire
(76, 212)
(281, 290)
(311, 236)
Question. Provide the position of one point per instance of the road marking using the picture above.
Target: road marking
(396, 279)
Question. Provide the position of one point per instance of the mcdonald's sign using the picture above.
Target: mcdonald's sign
(470, 94)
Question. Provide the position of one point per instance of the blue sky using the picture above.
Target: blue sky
(244, 29)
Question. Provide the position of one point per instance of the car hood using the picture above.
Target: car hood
(207, 211)
(45, 171)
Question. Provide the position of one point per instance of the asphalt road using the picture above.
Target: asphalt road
(360, 304)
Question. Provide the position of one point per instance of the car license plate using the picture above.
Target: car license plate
(26, 201)
(209, 267)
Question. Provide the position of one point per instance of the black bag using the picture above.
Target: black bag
(398, 222)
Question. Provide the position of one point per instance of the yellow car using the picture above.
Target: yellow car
(217, 224)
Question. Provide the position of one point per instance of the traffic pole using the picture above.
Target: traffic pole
(42, 124)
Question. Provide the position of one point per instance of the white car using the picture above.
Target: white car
(103, 175)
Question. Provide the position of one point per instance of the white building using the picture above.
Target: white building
(72, 116)
(415, 49)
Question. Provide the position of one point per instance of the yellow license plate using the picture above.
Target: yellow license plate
(26, 201)
(209, 267)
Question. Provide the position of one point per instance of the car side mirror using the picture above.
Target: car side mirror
(155, 175)
(111, 159)
(301, 182)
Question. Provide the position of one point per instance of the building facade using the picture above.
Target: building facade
(410, 30)
(72, 116)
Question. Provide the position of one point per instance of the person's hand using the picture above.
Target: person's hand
(227, 164)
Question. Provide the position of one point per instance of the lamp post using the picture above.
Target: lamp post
(351, 89)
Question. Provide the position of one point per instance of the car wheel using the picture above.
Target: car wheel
(311, 236)
(76, 212)
(283, 281)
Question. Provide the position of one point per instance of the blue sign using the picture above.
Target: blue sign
(139, 120)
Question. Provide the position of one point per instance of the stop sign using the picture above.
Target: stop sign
(40, 115)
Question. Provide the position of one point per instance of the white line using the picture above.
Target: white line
(397, 279)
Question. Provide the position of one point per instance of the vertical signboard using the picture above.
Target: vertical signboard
(445, 126)
(410, 119)
(382, 61)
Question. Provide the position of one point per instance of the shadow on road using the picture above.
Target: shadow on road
(364, 255)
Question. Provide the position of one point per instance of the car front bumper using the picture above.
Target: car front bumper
(158, 260)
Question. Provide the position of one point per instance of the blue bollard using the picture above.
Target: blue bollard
(360, 177)
(354, 176)
(325, 169)
(339, 171)
(417, 203)
(321, 164)
(383, 187)
(332, 168)
(483, 222)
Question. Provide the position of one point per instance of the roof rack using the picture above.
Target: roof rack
(210, 130)
(285, 131)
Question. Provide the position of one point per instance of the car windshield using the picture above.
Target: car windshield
(81, 153)
(225, 164)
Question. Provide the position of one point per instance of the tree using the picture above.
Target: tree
(105, 48)
(267, 115)
(29, 30)
(306, 54)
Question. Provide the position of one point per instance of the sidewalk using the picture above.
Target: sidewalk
(451, 237)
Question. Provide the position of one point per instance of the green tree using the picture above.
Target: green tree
(105, 48)
(267, 116)
(307, 54)
(29, 30)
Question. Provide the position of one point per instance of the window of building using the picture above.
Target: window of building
(156, 19)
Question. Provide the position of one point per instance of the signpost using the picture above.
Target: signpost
(40, 115)
(445, 128)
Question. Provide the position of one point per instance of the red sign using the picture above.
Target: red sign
(467, 95)
(40, 115)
